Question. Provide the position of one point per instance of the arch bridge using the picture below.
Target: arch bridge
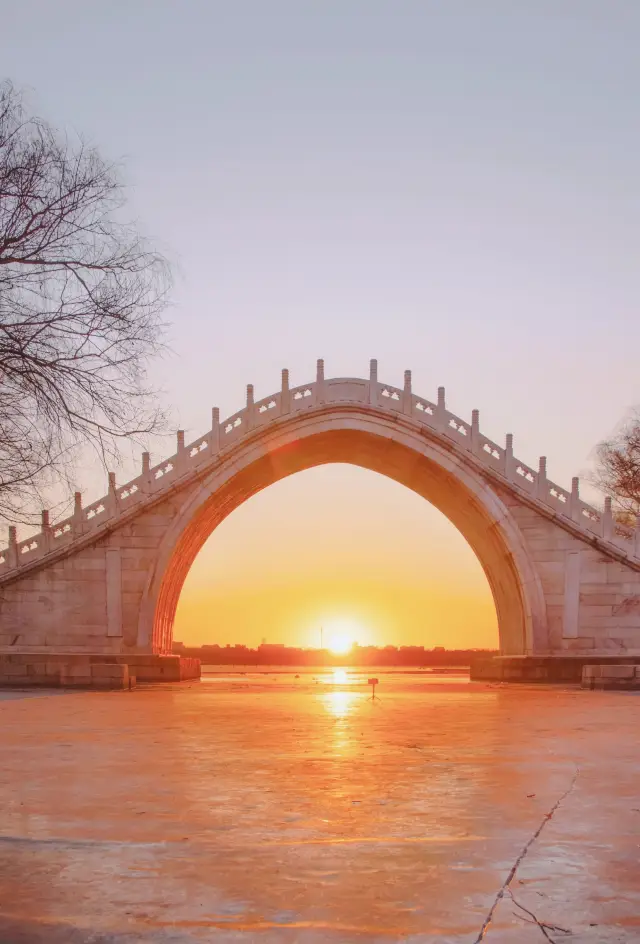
(107, 579)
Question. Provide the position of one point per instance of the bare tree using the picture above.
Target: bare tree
(81, 299)
(617, 471)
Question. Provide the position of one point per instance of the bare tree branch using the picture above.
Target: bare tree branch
(81, 298)
(617, 472)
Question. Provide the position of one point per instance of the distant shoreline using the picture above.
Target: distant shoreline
(222, 668)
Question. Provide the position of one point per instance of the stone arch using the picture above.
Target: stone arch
(366, 437)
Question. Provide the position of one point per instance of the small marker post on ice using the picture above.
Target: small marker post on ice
(373, 682)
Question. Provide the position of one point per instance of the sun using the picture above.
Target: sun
(342, 634)
(340, 643)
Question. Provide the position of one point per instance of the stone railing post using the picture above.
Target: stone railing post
(47, 533)
(475, 431)
(285, 399)
(508, 458)
(440, 417)
(607, 520)
(574, 501)
(112, 497)
(250, 403)
(215, 430)
(320, 380)
(181, 456)
(146, 472)
(373, 382)
(12, 552)
(542, 487)
(407, 399)
(78, 519)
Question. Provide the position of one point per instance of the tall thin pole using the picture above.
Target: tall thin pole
(321, 646)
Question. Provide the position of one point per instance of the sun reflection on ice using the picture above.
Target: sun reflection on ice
(339, 704)
(340, 677)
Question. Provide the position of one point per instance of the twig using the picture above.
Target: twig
(514, 868)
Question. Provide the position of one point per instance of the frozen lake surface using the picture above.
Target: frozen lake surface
(271, 808)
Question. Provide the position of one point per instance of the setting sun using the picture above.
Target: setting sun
(342, 634)
(340, 643)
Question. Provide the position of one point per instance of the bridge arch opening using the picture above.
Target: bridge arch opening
(337, 556)
(380, 444)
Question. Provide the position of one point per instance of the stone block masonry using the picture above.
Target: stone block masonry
(80, 670)
(563, 669)
(611, 677)
(65, 674)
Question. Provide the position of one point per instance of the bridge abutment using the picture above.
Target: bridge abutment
(563, 669)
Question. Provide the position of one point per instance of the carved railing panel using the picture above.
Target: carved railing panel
(131, 493)
(302, 398)
(31, 548)
(163, 473)
(491, 453)
(525, 477)
(391, 398)
(457, 429)
(62, 533)
(265, 411)
(93, 512)
(424, 410)
(558, 498)
(344, 390)
(590, 518)
(233, 429)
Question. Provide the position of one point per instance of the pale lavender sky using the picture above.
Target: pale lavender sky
(449, 186)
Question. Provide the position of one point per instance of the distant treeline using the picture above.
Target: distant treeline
(359, 655)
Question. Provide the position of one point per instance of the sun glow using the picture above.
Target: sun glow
(341, 635)
(340, 643)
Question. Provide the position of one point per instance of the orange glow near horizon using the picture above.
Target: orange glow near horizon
(341, 550)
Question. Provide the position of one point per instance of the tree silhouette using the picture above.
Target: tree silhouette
(81, 298)
(617, 471)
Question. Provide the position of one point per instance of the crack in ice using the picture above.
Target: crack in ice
(514, 868)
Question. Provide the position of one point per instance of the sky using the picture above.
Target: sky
(449, 187)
